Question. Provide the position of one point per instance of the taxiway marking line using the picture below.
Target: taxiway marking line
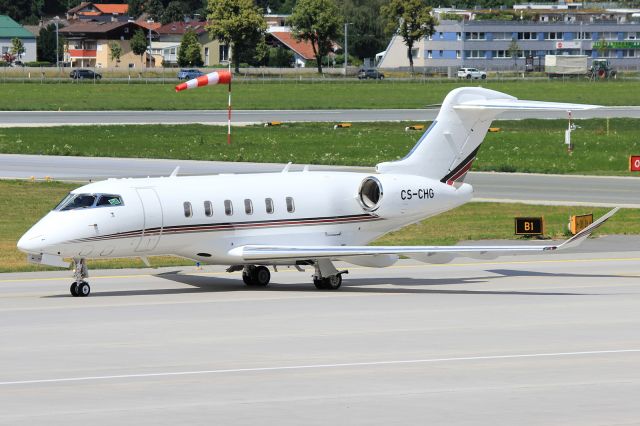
(319, 366)
(426, 265)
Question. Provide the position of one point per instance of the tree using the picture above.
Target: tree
(155, 9)
(238, 23)
(135, 8)
(17, 47)
(46, 44)
(139, 43)
(174, 12)
(189, 53)
(366, 29)
(319, 23)
(280, 57)
(411, 20)
(115, 51)
(513, 50)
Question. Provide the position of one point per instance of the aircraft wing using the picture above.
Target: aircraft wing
(281, 252)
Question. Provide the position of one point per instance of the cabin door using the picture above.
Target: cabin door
(152, 210)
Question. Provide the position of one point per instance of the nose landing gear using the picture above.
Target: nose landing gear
(80, 288)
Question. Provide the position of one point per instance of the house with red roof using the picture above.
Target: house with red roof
(302, 50)
(99, 12)
(88, 44)
(170, 36)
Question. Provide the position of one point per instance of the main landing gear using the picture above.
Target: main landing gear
(256, 276)
(326, 276)
(80, 288)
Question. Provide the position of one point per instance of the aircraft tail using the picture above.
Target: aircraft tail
(448, 148)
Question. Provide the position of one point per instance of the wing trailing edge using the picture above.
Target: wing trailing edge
(265, 253)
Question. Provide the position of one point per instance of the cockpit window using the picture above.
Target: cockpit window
(109, 200)
(85, 201)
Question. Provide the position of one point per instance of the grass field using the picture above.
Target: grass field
(23, 203)
(296, 95)
(515, 149)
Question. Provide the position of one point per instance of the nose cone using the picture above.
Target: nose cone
(32, 242)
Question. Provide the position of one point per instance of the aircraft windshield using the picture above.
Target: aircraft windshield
(85, 201)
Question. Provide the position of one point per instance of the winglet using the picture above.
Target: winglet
(578, 239)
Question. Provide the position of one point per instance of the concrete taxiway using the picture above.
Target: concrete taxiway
(219, 117)
(505, 187)
(517, 340)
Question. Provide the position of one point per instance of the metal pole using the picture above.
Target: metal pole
(55, 20)
(346, 47)
(150, 52)
(229, 108)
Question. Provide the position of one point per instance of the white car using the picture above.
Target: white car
(470, 73)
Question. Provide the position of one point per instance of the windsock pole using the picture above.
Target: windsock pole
(229, 110)
(216, 77)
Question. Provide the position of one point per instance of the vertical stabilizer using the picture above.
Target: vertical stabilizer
(446, 151)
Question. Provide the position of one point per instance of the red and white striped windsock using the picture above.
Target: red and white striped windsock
(216, 77)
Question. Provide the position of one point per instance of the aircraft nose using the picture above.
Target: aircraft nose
(31, 243)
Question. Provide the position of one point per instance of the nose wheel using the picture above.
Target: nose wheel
(80, 288)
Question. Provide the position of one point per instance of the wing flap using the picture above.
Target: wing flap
(280, 252)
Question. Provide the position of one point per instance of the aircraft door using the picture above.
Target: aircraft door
(152, 219)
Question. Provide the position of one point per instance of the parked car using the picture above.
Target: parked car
(470, 73)
(370, 73)
(85, 74)
(188, 74)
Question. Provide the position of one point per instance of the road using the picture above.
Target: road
(508, 187)
(65, 118)
(518, 340)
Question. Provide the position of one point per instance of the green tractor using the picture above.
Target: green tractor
(601, 70)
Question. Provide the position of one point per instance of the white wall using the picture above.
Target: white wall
(29, 54)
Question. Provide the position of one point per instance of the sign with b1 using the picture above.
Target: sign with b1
(529, 225)
(634, 163)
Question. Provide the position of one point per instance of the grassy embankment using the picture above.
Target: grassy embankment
(517, 148)
(23, 203)
(297, 95)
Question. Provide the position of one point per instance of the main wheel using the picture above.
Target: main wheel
(74, 290)
(332, 282)
(246, 278)
(261, 276)
(83, 289)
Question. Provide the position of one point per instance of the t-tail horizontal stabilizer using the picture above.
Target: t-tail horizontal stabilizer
(259, 253)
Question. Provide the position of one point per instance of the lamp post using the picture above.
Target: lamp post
(346, 46)
(55, 21)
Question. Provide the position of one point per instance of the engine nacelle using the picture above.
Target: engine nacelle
(393, 195)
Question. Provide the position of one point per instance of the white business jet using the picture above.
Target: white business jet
(253, 221)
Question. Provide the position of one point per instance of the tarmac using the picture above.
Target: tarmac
(245, 117)
(528, 340)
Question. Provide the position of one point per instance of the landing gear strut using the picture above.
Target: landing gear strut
(256, 276)
(80, 288)
(326, 276)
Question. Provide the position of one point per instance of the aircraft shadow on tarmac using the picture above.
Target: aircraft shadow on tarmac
(201, 284)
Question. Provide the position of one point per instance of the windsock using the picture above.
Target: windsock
(216, 77)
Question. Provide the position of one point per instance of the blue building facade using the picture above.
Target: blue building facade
(486, 44)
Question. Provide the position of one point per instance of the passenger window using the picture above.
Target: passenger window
(109, 200)
(268, 202)
(188, 211)
(248, 206)
(228, 207)
(208, 208)
(290, 206)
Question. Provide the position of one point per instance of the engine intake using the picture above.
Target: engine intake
(370, 194)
